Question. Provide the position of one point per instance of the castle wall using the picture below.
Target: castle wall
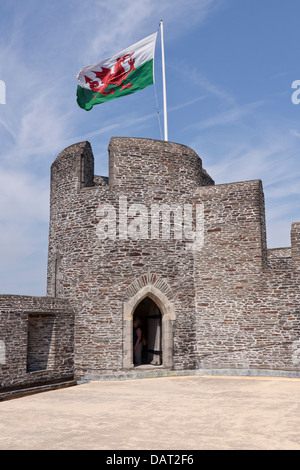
(36, 343)
(247, 304)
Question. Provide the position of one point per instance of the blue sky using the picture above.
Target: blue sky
(230, 65)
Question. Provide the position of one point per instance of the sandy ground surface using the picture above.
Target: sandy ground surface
(192, 412)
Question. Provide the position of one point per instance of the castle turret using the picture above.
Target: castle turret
(95, 272)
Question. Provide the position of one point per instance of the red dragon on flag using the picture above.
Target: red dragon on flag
(109, 77)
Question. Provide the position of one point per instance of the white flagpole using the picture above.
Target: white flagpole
(164, 82)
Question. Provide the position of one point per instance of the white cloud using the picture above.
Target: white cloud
(24, 207)
(295, 133)
(228, 116)
(123, 23)
(23, 196)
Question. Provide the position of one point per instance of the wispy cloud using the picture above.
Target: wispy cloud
(127, 22)
(252, 144)
(229, 116)
(295, 133)
(213, 89)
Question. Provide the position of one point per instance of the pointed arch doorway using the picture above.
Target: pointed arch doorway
(148, 318)
(157, 315)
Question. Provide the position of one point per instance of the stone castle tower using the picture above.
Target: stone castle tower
(158, 241)
(227, 304)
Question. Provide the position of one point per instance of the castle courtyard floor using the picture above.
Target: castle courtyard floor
(189, 412)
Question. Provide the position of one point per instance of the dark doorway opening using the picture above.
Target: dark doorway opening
(149, 317)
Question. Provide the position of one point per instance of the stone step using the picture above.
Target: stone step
(139, 372)
(21, 392)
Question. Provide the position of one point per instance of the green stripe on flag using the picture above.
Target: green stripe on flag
(138, 79)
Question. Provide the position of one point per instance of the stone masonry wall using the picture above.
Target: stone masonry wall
(248, 313)
(36, 341)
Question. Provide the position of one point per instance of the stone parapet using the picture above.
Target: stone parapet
(36, 341)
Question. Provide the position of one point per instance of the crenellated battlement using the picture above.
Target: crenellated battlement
(134, 163)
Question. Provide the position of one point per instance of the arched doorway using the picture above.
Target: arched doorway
(149, 318)
(167, 311)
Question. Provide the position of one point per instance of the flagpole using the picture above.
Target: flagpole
(164, 83)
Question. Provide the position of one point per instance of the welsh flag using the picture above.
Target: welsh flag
(128, 71)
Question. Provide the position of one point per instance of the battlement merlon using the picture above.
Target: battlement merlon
(73, 168)
(295, 245)
(139, 162)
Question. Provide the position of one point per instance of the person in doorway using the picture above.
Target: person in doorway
(137, 342)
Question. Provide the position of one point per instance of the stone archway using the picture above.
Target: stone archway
(149, 318)
(167, 310)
